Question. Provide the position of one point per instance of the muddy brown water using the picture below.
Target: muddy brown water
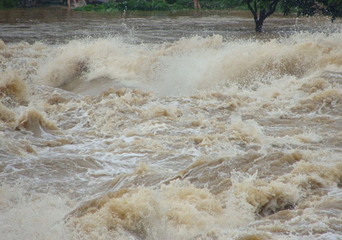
(57, 24)
(169, 126)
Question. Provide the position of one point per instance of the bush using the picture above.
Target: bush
(177, 6)
(222, 4)
(88, 7)
(8, 3)
(131, 5)
(186, 3)
(158, 5)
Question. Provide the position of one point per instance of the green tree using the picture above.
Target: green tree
(262, 9)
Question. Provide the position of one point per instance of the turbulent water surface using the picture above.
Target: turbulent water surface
(169, 126)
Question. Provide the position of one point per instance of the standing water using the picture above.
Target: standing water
(167, 126)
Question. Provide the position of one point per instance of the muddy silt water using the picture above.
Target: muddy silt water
(169, 126)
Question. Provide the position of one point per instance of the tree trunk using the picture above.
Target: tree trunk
(258, 25)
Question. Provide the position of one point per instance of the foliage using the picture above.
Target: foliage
(223, 4)
(131, 5)
(158, 5)
(334, 8)
(8, 3)
(331, 8)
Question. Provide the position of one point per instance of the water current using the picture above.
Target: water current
(167, 126)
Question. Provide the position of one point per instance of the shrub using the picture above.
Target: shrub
(158, 5)
(8, 3)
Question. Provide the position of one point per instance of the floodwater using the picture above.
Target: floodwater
(167, 126)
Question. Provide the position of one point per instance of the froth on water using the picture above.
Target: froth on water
(201, 138)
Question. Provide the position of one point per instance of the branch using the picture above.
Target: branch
(255, 15)
(262, 14)
(256, 9)
(272, 8)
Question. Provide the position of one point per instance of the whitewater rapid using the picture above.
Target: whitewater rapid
(200, 138)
